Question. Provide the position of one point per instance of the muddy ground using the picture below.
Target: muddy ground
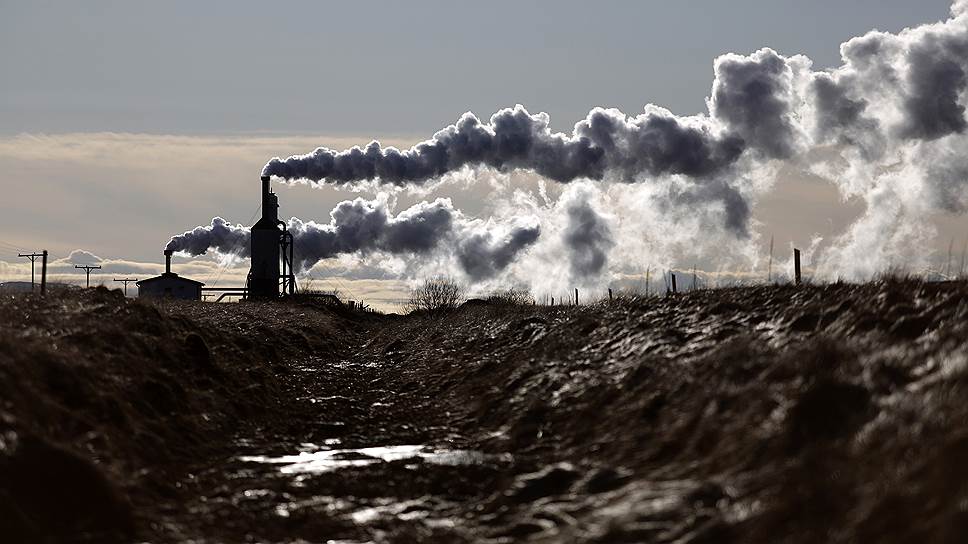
(763, 414)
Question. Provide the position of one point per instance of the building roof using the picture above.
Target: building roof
(169, 276)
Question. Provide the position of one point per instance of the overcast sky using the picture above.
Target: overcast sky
(389, 68)
(201, 94)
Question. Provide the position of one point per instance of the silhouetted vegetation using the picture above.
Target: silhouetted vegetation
(512, 297)
(436, 294)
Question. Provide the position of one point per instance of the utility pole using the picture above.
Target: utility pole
(951, 247)
(961, 269)
(125, 281)
(43, 274)
(33, 259)
(769, 270)
(87, 268)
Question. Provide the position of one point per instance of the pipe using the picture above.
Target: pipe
(168, 253)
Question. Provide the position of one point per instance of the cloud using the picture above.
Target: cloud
(79, 256)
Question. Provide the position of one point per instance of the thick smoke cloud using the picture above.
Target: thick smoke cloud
(887, 126)
(840, 117)
(896, 109)
(588, 240)
(481, 258)
(220, 236)
(959, 7)
(658, 143)
(752, 106)
(948, 170)
(654, 143)
(937, 81)
(735, 210)
(753, 96)
(361, 227)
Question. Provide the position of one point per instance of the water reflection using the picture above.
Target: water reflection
(325, 460)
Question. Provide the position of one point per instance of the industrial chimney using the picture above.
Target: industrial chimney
(168, 253)
(264, 273)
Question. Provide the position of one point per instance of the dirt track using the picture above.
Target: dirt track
(749, 415)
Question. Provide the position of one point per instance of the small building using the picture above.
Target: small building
(170, 285)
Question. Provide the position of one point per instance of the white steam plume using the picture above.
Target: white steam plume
(886, 126)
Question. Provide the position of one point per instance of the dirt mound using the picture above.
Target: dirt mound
(810, 410)
(823, 413)
(107, 401)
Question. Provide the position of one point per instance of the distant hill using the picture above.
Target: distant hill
(24, 286)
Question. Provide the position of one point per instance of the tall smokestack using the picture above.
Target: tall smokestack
(168, 253)
(264, 248)
(270, 203)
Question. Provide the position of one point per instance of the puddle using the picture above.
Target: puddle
(328, 460)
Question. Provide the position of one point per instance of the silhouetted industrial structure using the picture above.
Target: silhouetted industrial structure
(271, 272)
(170, 284)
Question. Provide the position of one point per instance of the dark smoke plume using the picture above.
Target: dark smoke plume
(220, 236)
(936, 82)
(361, 227)
(753, 96)
(653, 143)
(481, 258)
(588, 240)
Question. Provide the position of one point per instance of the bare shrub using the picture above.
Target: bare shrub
(512, 297)
(439, 293)
(308, 286)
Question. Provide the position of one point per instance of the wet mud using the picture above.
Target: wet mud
(764, 414)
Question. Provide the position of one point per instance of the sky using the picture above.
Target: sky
(376, 69)
(124, 123)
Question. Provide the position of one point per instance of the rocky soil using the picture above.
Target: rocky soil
(764, 414)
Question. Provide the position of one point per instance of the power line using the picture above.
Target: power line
(15, 246)
(12, 248)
